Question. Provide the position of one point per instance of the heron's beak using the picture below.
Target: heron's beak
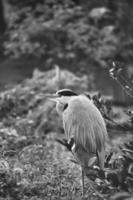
(54, 98)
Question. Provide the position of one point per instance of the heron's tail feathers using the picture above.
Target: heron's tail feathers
(101, 158)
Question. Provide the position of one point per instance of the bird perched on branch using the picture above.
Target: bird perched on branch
(84, 126)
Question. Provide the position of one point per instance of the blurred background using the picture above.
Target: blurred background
(82, 36)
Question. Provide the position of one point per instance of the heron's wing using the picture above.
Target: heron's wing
(86, 125)
(100, 135)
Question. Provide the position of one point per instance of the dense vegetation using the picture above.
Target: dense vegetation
(60, 31)
(33, 165)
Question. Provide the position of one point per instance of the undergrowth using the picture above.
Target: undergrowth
(34, 166)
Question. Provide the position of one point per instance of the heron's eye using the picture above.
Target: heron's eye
(65, 106)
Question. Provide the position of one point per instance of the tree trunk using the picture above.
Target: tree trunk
(2, 18)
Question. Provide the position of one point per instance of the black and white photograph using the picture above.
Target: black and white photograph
(66, 99)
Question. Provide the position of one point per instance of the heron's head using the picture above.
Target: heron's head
(62, 98)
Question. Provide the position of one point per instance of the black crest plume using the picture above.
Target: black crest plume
(66, 92)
